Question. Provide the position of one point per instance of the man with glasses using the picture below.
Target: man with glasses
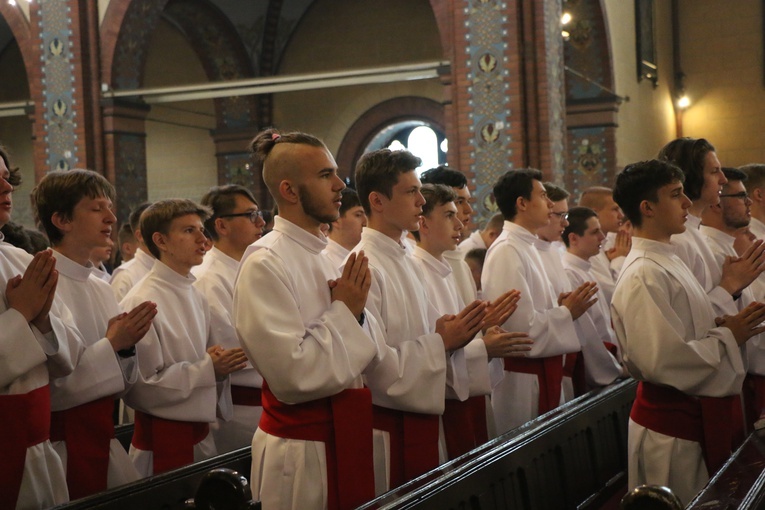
(726, 227)
(236, 223)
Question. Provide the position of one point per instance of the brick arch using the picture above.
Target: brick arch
(378, 117)
(19, 26)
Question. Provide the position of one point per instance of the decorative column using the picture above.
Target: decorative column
(234, 162)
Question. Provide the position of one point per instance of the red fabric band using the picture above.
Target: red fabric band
(464, 425)
(549, 372)
(246, 396)
(171, 441)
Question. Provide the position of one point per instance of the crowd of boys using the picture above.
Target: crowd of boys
(355, 360)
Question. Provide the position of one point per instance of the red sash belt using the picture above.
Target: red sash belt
(549, 372)
(708, 421)
(464, 425)
(754, 398)
(171, 441)
(413, 442)
(25, 420)
(87, 430)
(573, 367)
(246, 396)
(613, 349)
(343, 423)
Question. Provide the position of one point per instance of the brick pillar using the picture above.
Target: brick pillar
(504, 105)
(63, 126)
(234, 162)
(125, 149)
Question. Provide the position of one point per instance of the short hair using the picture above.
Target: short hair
(734, 174)
(688, 154)
(16, 235)
(496, 222)
(348, 200)
(135, 216)
(14, 177)
(511, 186)
(755, 176)
(222, 200)
(60, 191)
(435, 195)
(477, 254)
(555, 193)
(159, 215)
(594, 197)
(577, 222)
(379, 170)
(444, 175)
(38, 240)
(265, 141)
(641, 181)
(125, 234)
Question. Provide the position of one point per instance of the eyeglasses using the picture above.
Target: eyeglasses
(252, 215)
(561, 215)
(741, 194)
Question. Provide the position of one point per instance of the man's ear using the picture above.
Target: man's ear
(376, 201)
(289, 192)
(758, 195)
(159, 241)
(647, 209)
(221, 227)
(520, 204)
(61, 223)
(424, 227)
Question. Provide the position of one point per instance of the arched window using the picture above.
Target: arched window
(422, 139)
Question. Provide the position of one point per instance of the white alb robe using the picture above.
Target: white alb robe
(606, 271)
(757, 228)
(336, 253)
(513, 262)
(29, 360)
(126, 276)
(693, 249)
(176, 376)
(665, 324)
(474, 241)
(594, 328)
(100, 372)
(413, 377)
(216, 283)
(306, 346)
(463, 277)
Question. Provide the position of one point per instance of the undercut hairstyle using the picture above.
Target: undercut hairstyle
(755, 176)
(60, 191)
(262, 145)
(511, 186)
(642, 181)
(125, 234)
(577, 222)
(135, 216)
(435, 195)
(595, 197)
(734, 174)
(688, 154)
(379, 171)
(14, 177)
(222, 200)
(555, 193)
(496, 222)
(444, 175)
(159, 215)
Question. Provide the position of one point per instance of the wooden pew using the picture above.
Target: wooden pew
(572, 457)
(740, 483)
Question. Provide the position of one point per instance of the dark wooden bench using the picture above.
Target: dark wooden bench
(572, 457)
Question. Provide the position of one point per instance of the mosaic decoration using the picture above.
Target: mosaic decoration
(485, 21)
(140, 21)
(555, 87)
(588, 159)
(130, 165)
(58, 84)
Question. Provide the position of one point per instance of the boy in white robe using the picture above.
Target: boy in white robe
(607, 263)
(755, 186)
(345, 231)
(689, 363)
(583, 238)
(76, 209)
(464, 421)
(407, 409)
(303, 326)
(482, 239)
(181, 373)
(130, 273)
(704, 179)
(235, 224)
(531, 386)
(39, 343)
